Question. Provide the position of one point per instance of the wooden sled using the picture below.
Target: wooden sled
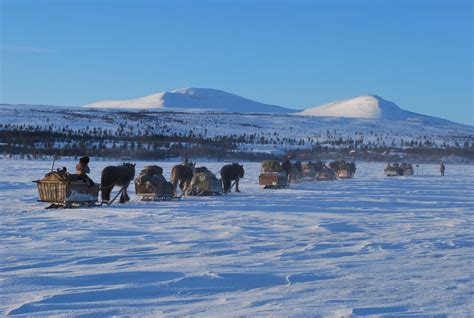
(67, 194)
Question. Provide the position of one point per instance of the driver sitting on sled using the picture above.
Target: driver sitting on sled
(82, 169)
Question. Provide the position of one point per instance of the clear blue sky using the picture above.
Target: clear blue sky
(291, 53)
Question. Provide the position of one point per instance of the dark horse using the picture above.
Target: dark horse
(287, 166)
(230, 173)
(182, 173)
(116, 176)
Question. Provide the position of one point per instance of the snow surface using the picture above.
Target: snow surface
(193, 98)
(369, 246)
(368, 106)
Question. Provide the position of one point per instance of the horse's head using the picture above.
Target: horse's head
(129, 169)
(240, 170)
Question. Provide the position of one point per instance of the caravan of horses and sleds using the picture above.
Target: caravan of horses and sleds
(68, 190)
(65, 190)
(276, 175)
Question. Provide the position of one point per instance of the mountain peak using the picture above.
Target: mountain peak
(194, 98)
(365, 106)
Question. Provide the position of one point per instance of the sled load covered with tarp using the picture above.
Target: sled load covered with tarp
(150, 185)
(272, 175)
(343, 169)
(398, 169)
(62, 189)
(204, 183)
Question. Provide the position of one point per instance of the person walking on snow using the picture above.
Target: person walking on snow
(442, 168)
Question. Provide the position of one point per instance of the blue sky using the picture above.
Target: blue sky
(297, 54)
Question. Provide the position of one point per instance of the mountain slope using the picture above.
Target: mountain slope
(368, 106)
(194, 98)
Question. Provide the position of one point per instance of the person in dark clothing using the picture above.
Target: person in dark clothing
(82, 169)
(442, 168)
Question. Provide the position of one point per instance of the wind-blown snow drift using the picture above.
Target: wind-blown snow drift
(368, 106)
(194, 98)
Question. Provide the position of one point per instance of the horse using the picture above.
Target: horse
(352, 168)
(297, 171)
(287, 166)
(182, 173)
(116, 176)
(230, 173)
(336, 165)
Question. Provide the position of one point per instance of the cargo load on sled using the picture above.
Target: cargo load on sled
(272, 175)
(343, 169)
(62, 189)
(398, 169)
(151, 185)
(204, 183)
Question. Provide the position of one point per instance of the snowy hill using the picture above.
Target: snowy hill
(194, 98)
(368, 106)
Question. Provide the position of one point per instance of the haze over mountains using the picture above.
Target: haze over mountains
(205, 99)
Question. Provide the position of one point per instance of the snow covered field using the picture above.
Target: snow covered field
(367, 246)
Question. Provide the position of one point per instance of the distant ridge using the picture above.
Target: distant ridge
(194, 98)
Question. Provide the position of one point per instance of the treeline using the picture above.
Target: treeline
(142, 142)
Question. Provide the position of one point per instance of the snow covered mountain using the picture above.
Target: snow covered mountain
(194, 98)
(368, 106)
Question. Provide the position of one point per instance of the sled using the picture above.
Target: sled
(394, 170)
(205, 184)
(273, 180)
(150, 192)
(344, 174)
(407, 170)
(67, 194)
(326, 176)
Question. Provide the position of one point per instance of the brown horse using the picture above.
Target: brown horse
(116, 176)
(182, 173)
